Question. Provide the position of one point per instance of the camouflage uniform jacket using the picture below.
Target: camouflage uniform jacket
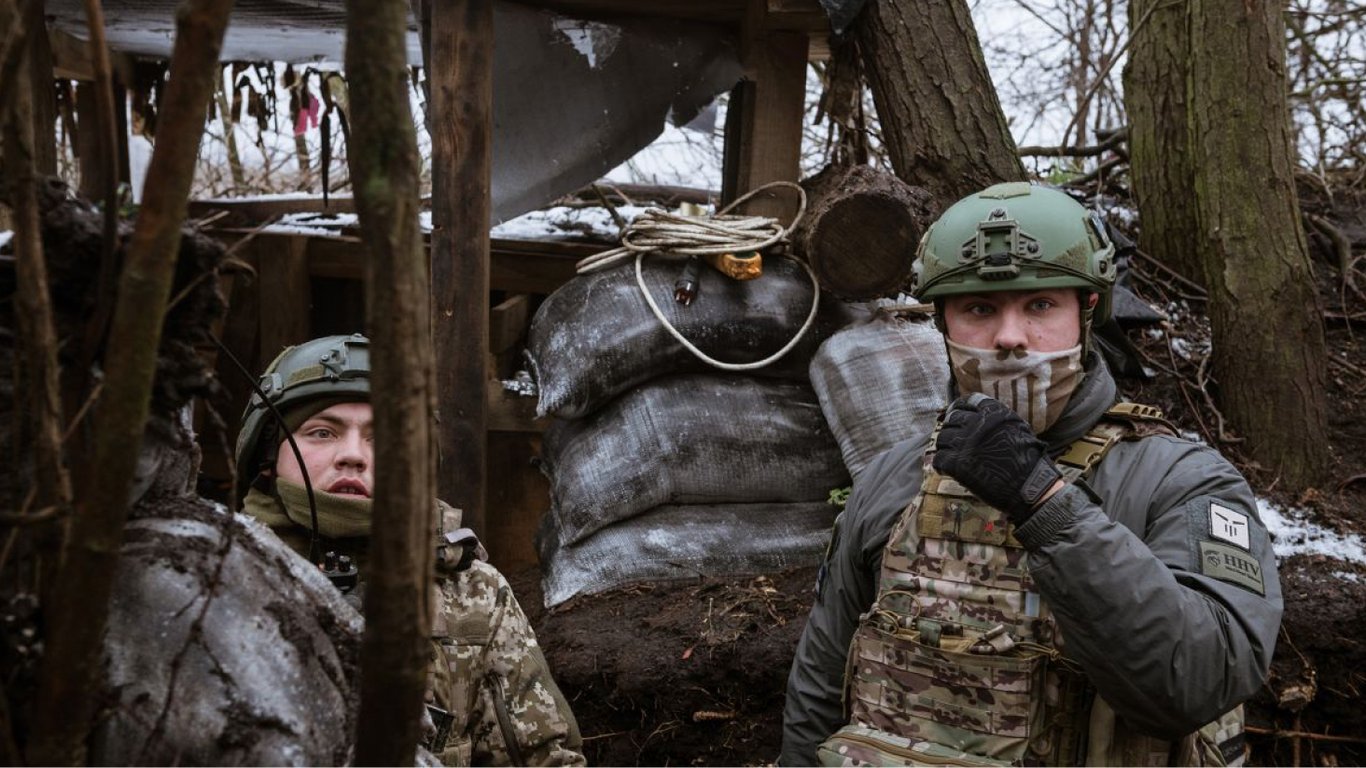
(1137, 572)
(489, 673)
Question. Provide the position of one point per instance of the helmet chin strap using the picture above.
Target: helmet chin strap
(289, 438)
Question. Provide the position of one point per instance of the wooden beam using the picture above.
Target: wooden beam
(461, 102)
(509, 412)
(70, 56)
(764, 138)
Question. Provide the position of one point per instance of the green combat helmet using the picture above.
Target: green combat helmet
(335, 368)
(1012, 237)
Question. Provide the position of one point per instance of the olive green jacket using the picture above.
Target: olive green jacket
(1162, 580)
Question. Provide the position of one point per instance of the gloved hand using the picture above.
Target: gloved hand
(992, 451)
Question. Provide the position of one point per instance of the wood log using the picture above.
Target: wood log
(861, 230)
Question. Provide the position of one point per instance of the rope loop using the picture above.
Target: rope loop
(659, 231)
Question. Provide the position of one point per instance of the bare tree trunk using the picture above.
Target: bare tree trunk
(38, 338)
(70, 672)
(941, 119)
(384, 163)
(1160, 161)
(1269, 351)
(230, 138)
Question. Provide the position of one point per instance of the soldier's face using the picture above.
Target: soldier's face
(337, 445)
(1033, 321)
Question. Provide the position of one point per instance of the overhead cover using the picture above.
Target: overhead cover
(572, 99)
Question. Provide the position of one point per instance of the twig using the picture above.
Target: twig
(1201, 380)
(1195, 412)
(1109, 143)
(84, 409)
(1298, 734)
(611, 209)
(31, 518)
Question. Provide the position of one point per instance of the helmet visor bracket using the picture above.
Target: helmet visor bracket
(997, 248)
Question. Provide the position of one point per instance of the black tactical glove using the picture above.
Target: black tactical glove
(992, 451)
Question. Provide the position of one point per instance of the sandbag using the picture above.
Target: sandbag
(595, 337)
(692, 439)
(223, 648)
(879, 383)
(684, 543)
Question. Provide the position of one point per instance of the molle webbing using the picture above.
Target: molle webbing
(960, 650)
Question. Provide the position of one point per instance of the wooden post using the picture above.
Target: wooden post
(461, 81)
(282, 263)
(44, 101)
(765, 139)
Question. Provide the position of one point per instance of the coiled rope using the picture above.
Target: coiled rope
(659, 231)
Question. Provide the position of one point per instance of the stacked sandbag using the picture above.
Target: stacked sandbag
(881, 382)
(663, 467)
(595, 337)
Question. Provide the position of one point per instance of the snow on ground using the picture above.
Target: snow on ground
(1293, 534)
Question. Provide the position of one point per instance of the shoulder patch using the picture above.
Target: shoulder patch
(1229, 525)
(1225, 563)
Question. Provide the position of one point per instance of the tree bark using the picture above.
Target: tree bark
(1269, 351)
(1160, 161)
(941, 119)
(861, 230)
(71, 666)
(383, 157)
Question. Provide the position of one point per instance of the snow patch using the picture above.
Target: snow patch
(1292, 534)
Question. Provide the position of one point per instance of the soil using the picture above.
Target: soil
(695, 674)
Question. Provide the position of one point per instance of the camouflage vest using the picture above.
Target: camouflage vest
(959, 661)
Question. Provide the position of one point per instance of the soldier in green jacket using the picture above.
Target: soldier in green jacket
(491, 699)
(1050, 577)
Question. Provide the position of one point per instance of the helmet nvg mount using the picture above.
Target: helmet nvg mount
(1012, 237)
(327, 368)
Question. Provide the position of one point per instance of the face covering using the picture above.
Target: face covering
(1036, 385)
(338, 516)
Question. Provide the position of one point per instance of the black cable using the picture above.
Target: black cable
(289, 436)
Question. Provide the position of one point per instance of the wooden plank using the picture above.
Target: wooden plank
(88, 142)
(508, 322)
(508, 412)
(767, 133)
(520, 494)
(461, 104)
(252, 211)
(285, 292)
(70, 56)
(786, 14)
(44, 95)
(514, 267)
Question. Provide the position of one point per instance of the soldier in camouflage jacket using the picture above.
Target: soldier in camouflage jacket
(491, 698)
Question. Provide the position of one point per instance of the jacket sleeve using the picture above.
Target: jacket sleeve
(845, 588)
(517, 715)
(1163, 582)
